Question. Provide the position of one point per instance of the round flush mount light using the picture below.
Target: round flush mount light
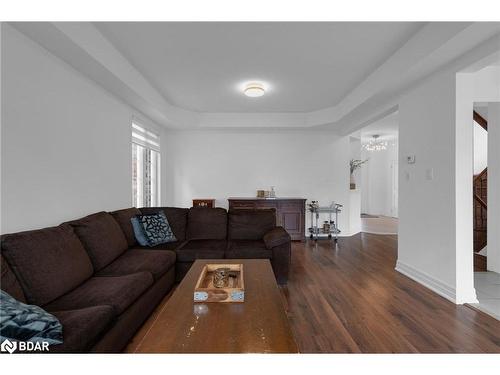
(254, 90)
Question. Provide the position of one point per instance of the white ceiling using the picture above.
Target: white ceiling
(339, 76)
(307, 66)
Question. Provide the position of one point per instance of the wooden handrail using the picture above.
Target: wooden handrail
(478, 177)
(480, 120)
(481, 202)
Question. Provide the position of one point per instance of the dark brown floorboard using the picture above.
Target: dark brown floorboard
(347, 298)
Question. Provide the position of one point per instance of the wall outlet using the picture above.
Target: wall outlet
(410, 159)
(429, 174)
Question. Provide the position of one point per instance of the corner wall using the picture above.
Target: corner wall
(427, 241)
(65, 141)
(436, 216)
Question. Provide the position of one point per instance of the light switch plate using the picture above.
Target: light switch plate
(429, 174)
(410, 159)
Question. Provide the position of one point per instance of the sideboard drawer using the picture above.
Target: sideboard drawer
(242, 204)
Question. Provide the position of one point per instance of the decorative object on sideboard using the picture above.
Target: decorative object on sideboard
(266, 193)
(204, 203)
(354, 165)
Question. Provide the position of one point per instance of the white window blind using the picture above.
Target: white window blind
(145, 167)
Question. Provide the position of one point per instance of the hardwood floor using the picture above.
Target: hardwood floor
(349, 299)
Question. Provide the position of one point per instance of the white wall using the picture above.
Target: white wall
(426, 242)
(377, 188)
(230, 163)
(480, 148)
(65, 141)
(493, 260)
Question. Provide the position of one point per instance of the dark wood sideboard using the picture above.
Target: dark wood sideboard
(290, 212)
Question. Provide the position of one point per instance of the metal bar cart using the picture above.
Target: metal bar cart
(328, 228)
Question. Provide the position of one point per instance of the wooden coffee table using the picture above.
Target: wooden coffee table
(258, 325)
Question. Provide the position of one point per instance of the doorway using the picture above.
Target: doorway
(379, 176)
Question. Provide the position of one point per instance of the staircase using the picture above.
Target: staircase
(480, 208)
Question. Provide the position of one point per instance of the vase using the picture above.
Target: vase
(353, 182)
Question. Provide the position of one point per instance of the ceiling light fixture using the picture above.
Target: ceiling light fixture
(254, 90)
(375, 144)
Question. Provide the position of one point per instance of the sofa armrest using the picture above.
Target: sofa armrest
(276, 237)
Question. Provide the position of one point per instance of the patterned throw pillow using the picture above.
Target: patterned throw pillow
(156, 229)
(21, 322)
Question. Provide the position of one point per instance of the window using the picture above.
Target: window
(145, 167)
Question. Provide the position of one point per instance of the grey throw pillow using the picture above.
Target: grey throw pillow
(22, 322)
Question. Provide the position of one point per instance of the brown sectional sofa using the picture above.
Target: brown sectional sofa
(102, 285)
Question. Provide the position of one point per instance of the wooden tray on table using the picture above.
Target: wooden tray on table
(205, 291)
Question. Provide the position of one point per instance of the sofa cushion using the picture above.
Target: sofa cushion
(102, 237)
(248, 249)
(82, 328)
(246, 224)
(201, 249)
(123, 217)
(117, 291)
(47, 262)
(177, 218)
(162, 246)
(9, 282)
(207, 224)
(22, 322)
(157, 262)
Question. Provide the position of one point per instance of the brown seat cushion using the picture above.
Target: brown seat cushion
(207, 224)
(117, 291)
(102, 237)
(123, 217)
(47, 262)
(248, 249)
(82, 328)
(9, 282)
(246, 224)
(176, 217)
(157, 262)
(201, 249)
(162, 246)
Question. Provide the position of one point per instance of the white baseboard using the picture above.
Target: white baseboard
(428, 281)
